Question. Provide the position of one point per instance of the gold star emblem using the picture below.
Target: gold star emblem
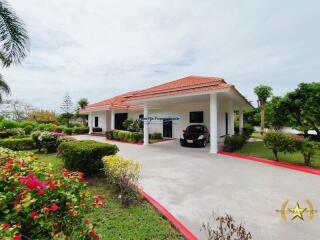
(297, 212)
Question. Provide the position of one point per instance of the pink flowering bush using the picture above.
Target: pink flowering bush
(36, 203)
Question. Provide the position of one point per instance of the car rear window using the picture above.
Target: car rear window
(195, 129)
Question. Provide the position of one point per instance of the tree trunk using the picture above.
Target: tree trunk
(275, 154)
(262, 118)
(307, 157)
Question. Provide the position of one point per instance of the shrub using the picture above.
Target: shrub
(81, 130)
(48, 142)
(35, 138)
(28, 129)
(37, 203)
(308, 149)
(224, 227)
(247, 130)
(109, 134)
(47, 127)
(85, 155)
(58, 129)
(233, 143)
(156, 135)
(25, 123)
(8, 124)
(17, 143)
(15, 131)
(124, 174)
(68, 130)
(131, 125)
(280, 142)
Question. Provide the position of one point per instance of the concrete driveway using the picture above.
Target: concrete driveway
(191, 183)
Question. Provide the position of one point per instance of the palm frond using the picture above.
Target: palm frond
(13, 36)
(4, 87)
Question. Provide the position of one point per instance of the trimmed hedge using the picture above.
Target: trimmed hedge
(156, 135)
(80, 130)
(232, 143)
(125, 136)
(85, 155)
(68, 130)
(18, 143)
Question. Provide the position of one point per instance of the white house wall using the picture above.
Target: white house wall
(102, 122)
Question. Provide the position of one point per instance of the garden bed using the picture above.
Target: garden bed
(138, 221)
(258, 149)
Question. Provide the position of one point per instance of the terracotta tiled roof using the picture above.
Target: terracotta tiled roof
(181, 86)
(117, 102)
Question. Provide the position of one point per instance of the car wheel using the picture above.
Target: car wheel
(204, 143)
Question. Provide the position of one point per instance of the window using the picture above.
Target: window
(96, 121)
(141, 121)
(196, 117)
(227, 123)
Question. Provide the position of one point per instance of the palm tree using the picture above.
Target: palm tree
(82, 103)
(263, 92)
(13, 41)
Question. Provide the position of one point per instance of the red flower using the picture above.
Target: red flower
(34, 215)
(17, 237)
(92, 234)
(40, 192)
(5, 225)
(53, 207)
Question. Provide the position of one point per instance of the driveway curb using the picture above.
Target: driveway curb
(272, 162)
(175, 222)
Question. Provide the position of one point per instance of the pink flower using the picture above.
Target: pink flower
(53, 207)
(31, 182)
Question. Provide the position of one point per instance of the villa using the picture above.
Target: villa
(169, 108)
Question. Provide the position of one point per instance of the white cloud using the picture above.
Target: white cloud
(100, 48)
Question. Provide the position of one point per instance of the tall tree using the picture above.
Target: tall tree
(67, 110)
(301, 106)
(13, 41)
(263, 92)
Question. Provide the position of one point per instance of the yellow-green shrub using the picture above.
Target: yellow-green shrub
(124, 174)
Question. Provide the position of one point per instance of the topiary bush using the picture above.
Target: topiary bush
(68, 130)
(124, 174)
(18, 143)
(39, 203)
(49, 127)
(109, 134)
(233, 143)
(85, 155)
(280, 142)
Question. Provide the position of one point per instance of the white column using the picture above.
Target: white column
(213, 123)
(145, 125)
(90, 122)
(241, 122)
(112, 119)
(231, 119)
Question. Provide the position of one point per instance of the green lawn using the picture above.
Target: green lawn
(258, 149)
(140, 221)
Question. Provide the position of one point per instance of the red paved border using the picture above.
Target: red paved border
(273, 162)
(175, 222)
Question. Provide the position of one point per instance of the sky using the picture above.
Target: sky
(100, 48)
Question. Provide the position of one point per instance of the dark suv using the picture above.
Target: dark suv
(195, 135)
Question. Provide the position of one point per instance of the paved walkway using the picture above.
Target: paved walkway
(191, 183)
